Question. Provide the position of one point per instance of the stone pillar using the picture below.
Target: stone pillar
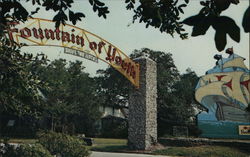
(142, 118)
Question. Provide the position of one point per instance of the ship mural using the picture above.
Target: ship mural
(225, 92)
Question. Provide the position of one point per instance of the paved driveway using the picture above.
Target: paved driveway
(105, 154)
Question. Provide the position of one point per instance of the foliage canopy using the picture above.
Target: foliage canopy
(161, 14)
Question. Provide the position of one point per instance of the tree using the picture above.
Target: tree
(112, 87)
(161, 14)
(20, 95)
(56, 76)
(84, 97)
(185, 88)
(72, 102)
(19, 88)
(58, 6)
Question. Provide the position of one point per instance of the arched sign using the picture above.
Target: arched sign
(42, 32)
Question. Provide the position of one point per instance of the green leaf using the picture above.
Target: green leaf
(198, 30)
(176, 11)
(182, 5)
(176, 1)
(220, 40)
(59, 18)
(99, 3)
(246, 20)
(203, 3)
(222, 4)
(104, 15)
(71, 15)
(235, 1)
(222, 22)
(91, 2)
(36, 11)
(228, 25)
(180, 9)
(74, 17)
(94, 7)
(234, 32)
(79, 15)
(202, 27)
(193, 20)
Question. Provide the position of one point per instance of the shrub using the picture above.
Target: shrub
(36, 150)
(25, 150)
(7, 150)
(194, 131)
(65, 145)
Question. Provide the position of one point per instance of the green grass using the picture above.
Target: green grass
(108, 141)
(120, 145)
(109, 145)
(24, 141)
(100, 144)
(97, 141)
(202, 151)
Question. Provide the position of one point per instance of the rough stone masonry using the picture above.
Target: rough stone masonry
(142, 120)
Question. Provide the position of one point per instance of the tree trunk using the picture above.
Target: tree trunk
(52, 123)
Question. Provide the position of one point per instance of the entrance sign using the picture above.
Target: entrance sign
(42, 32)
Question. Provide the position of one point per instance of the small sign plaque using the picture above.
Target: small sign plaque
(83, 54)
(244, 129)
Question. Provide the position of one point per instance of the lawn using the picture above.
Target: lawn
(120, 145)
(109, 145)
(24, 141)
(109, 141)
(202, 151)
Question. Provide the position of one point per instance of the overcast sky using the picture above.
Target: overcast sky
(195, 53)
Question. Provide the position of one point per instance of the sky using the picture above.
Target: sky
(195, 52)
